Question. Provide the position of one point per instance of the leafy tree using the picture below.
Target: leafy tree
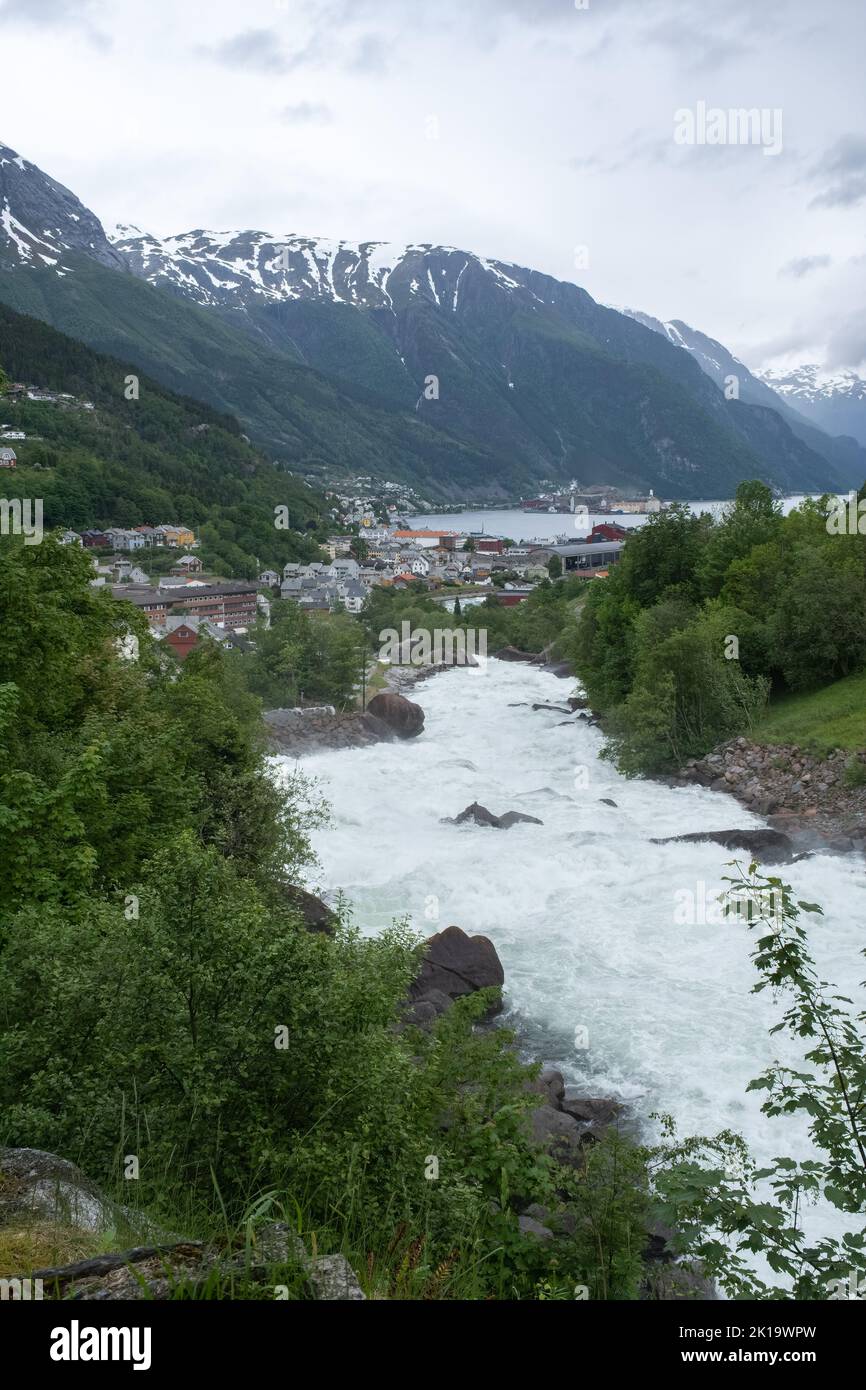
(754, 519)
(818, 633)
(686, 694)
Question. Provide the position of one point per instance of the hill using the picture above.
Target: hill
(162, 457)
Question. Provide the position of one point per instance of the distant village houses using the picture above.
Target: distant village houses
(232, 604)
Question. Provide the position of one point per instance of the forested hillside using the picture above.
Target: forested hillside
(158, 458)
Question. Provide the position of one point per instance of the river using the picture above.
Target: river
(602, 980)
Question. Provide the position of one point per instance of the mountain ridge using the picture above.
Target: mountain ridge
(464, 375)
(845, 450)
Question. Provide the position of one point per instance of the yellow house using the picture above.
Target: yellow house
(178, 536)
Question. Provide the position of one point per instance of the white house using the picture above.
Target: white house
(125, 540)
(352, 595)
(344, 568)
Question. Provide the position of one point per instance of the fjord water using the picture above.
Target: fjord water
(602, 980)
(548, 526)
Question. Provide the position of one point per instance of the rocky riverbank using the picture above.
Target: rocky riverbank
(814, 800)
(299, 732)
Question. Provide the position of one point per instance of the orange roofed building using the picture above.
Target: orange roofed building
(446, 540)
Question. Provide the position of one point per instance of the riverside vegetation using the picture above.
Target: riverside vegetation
(149, 952)
(706, 621)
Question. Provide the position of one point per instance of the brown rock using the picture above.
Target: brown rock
(315, 914)
(456, 964)
(402, 716)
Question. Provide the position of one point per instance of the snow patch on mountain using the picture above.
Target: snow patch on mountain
(810, 382)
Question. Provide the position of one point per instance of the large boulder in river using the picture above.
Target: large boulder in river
(402, 716)
(455, 964)
(479, 815)
(515, 818)
(765, 846)
(299, 732)
(591, 1110)
(315, 914)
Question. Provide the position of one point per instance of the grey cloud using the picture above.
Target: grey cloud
(306, 113)
(639, 149)
(843, 171)
(369, 55)
(805, 265)
(645, 148)
(700, 48)
(846, 344)
(261, 50)
(256, 50)
(796, 339)
(54, 13)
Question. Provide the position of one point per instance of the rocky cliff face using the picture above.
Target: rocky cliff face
(42, 220)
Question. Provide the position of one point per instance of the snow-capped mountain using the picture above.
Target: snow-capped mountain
(835, 401)
(248, 267)
(41, 220)
(712, 357)
(833, 423)
(469, 375)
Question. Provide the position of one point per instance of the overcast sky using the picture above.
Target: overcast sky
(520, 129)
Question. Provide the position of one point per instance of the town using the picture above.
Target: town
(187, 604)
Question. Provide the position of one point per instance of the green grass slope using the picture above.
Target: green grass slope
(820, 720)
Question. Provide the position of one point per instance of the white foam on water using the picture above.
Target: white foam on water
(582, 909)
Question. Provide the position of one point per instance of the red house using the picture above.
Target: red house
(607, 531)
(182, 640)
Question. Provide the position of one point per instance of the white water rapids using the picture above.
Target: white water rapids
(601, 980)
